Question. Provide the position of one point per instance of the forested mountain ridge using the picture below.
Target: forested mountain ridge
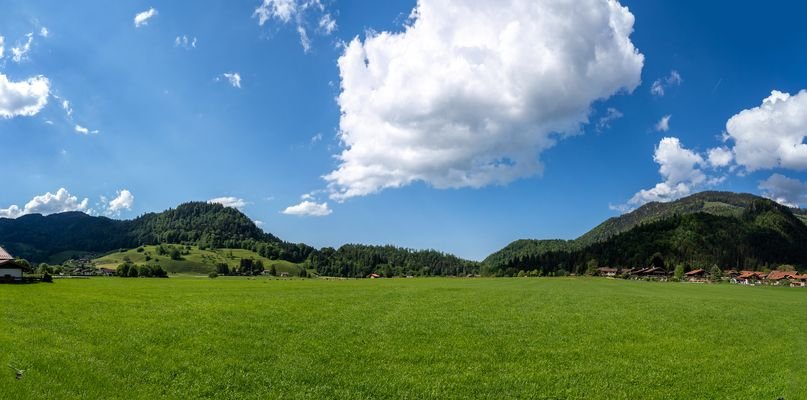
(38, 238)
(56, 237)
(715, 203)
(730, 230)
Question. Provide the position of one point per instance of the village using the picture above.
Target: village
(752, 278)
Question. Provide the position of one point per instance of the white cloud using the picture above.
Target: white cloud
(327, 24)
(681, 170)
(470, 94)
(185, 42)
(48, 203)
(281, 10)
(23, 98)
(20, 52)
(124, 201)
(66, 107)
(783, 190)
(316, 138)
(143, 18)
(44, 32)
(298, 12)
(720, 157)
(234, 78)
(233, 202)
(663, 124)
(2, 46)
(611, 114)
(771, 135)
(258, 223)
(309, 208)
(659, 86)
(85, 131)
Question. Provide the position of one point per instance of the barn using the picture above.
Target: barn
(10, 271)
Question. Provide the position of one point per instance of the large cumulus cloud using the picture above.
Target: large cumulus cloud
(472, 92)
(771, 135)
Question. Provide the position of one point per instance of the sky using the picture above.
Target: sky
(457, 126)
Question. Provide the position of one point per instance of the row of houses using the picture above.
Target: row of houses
(650, 272)
(776, 278)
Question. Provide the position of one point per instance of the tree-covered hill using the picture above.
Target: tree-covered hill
(38, 238)
(206, 226)
(715, 203)
(741, 231)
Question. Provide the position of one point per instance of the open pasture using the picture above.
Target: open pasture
(233, 338)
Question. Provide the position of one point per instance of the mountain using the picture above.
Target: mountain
(39, 238)
(727, 229)
(58, 237)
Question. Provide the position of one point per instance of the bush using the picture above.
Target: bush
(47, 278)
(213, 275)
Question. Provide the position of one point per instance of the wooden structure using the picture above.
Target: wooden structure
(698, 275)
(605, 271)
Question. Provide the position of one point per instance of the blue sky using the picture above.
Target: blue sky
(332, 122)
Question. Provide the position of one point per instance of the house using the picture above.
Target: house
(780, 277)
(10, 271)
(698, 275)
(798, 281)
(605, 271)
(108, 272)
(374, 276)
(749, 278)
(284, 274)
(732, 273)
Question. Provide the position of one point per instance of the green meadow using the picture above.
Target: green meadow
(538, 338)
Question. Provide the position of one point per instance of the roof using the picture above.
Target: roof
(695, 272)
(4, 256)
(751, 274)
(778, 275)
(606, 269)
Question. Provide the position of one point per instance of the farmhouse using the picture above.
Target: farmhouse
(749, 278)
(780, 277)
(605, 271)
(108, 272)
(798, 281)
(698, 275)
(10, 271)
(374, 276)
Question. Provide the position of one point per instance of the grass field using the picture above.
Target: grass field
(233, 338)
(198, 261)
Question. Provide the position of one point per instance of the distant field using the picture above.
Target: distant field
(198, 261)
(233, 338)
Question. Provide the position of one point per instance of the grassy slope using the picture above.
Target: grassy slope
(198, 261)
(232, 338)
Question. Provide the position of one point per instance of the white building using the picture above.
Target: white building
(9, 270)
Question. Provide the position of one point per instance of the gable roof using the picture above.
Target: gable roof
(695, 272)
(778, 275)
(4, 256)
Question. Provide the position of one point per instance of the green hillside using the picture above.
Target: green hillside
(193, 259)
(737, 231)
(57, 237)
(715, 203)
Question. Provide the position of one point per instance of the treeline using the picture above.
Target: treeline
(765, 235)
(130, 270)
(358, 261)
